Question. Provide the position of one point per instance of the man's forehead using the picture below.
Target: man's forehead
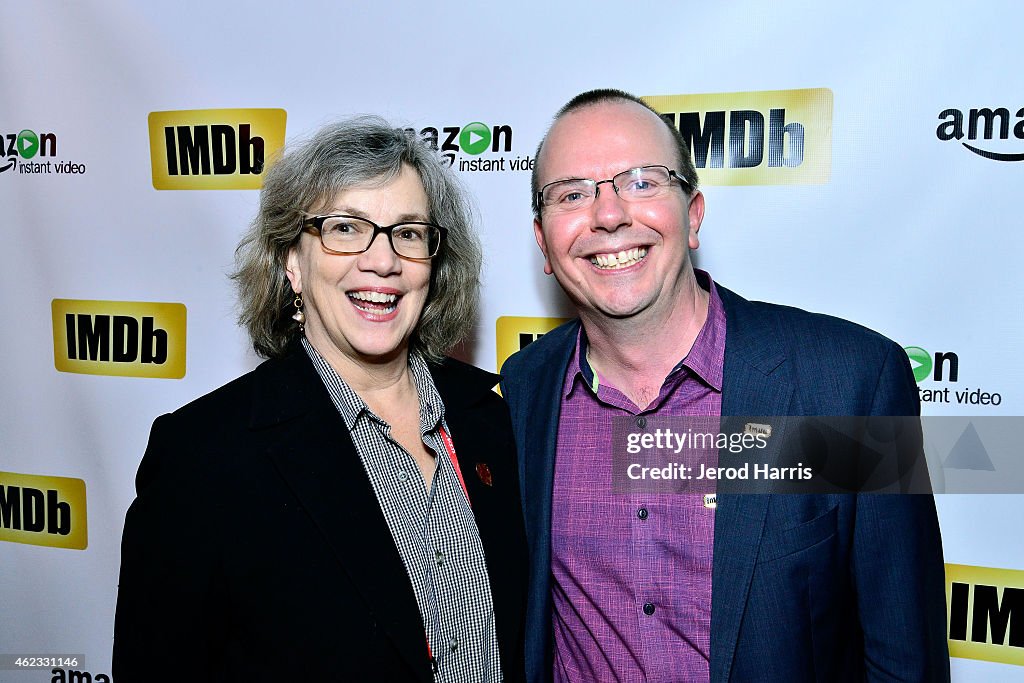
(606, 134)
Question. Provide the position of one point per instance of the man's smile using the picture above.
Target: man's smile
(621, 259)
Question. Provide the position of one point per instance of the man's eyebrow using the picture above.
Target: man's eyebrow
(568, 177)
(576, 177)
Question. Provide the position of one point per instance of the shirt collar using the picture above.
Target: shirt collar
(704, 360)
(351, 406)
(707, 355)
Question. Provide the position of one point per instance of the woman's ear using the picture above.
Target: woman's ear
(292, 269)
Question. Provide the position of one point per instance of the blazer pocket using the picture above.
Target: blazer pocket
(783, 542)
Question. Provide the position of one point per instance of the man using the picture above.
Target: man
(629, 587)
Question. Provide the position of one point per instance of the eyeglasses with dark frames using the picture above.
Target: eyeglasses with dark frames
(343, 234)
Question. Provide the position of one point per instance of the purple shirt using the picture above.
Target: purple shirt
(631, 572)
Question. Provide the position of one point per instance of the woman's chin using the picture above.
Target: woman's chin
(379, 354)
(376, 349)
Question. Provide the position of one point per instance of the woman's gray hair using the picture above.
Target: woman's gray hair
(358, 151)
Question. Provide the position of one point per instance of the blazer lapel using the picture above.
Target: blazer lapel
(309, 444)
(536, 424)
(755, 383)
(538, 467)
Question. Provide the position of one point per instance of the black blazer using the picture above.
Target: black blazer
(256, 549)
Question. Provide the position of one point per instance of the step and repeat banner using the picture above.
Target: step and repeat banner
(864, 161)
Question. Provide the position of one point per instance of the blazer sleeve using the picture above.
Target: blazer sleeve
(897, 561)
(167, 618)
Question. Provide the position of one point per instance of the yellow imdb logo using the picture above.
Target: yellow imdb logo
(986, 613)
(768, 137)
(515, 332)
(48, 511)
(213, 149)
(121, 338)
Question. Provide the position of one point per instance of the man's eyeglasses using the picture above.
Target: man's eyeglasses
(636, 184)
(341, 234)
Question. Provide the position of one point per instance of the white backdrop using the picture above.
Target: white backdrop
(911, 235)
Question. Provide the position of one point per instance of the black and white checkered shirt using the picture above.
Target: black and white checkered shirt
(434, 530)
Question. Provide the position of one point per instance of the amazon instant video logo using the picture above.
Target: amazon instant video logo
(475, 146)
(938, 377)
(987, 130)
(28, 152)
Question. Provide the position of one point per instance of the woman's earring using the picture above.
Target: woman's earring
(299, 316)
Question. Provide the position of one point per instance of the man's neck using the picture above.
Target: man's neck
(635, 354)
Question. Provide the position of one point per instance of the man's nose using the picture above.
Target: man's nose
(609, 209)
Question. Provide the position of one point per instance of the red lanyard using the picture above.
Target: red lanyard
(450, 448)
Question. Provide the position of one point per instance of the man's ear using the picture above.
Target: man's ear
(292, 270)
(538, 233)
(695, 216)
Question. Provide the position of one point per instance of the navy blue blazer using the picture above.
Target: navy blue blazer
(804, 587)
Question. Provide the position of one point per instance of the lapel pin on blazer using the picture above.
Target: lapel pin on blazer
(484, 472)
(755, 429)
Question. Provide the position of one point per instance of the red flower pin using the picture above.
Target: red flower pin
(484, 472)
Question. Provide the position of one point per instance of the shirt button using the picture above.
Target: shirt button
(641, 422)
(403, 475)
(642, 513)
(648, 608)
(439, 556)
(453, 644)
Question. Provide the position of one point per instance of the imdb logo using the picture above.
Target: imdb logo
(769, 137)
(515, 332)
(986, 613)
(213, 149)
(120, 338)
(47, 511)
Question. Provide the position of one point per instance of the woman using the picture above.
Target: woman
(349, 510)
